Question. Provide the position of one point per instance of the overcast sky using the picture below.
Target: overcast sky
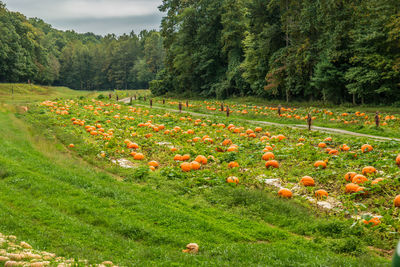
(98, 16)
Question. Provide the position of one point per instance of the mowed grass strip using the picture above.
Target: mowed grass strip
(75, 211)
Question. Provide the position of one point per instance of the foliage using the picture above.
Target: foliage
(335, 50)
(31, 49)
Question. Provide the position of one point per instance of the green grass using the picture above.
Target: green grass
(57, 202)
(22, 94)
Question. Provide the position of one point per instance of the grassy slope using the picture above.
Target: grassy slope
(57, 202)
(24, 93)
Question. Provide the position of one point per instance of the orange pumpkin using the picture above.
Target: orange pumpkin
(195, 165)
(138, 156)
(272, 163)
(232, 148)
(397, 201)
(71, 145)
(281, 137)
(232, 180)
(268, 156)
(201, 159)
(286, 193)
(349, 176)
(344, 147)
(352, 188)
(132, 145)
(268, 148)
(368, 170)
(359, 179)
(333, 152)
(178, 157)
(366, 148)
(233, 164)
(321, 145)
(320, 163)
(186, 157)
(227, 142)
(307, 181)
(153, 163)
(321, 193)
(398, 160)
(373, 222)
(186, 166)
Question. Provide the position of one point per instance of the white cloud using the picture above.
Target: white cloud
(88, 15)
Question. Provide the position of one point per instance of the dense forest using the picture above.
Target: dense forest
(31, 49)
(331, 50)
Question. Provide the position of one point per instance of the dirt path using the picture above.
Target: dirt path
(296, 126)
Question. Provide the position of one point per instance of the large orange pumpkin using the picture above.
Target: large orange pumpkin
(186, 166)
(272, 163)
(320, 163)
(186, 157)
(352, 188)
(268, 156)
(195, 165)
(359, 179)
(138, 156)
(232, 180)
(233, 164)
(321, 193)
(286, 193)
(322, 145)
(201, 159)
(368, 170)
(307, 181)
(178, 157)
(349, 176)
(153, 163)
(397, 201)
(398, 160)
(366, 148)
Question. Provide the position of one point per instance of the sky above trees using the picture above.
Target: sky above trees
(97, 16)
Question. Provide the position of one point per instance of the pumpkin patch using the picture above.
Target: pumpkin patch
(214, 151)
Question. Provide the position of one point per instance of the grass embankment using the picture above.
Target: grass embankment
(57, 202)
(23, 94)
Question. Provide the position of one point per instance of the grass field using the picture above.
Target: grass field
(359, 119)
(75, 203)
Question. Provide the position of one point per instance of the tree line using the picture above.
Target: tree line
(332, 50)
(32, 50)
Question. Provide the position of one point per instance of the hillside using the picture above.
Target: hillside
(75, 202)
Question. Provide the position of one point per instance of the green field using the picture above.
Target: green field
(75, 205)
